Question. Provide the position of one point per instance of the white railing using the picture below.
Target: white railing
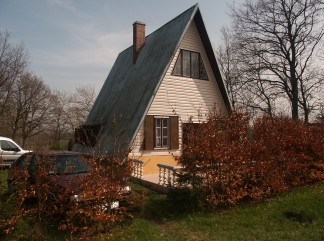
(167, 174)
(137, 168)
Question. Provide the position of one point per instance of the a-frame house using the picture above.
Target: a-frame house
(166, 79)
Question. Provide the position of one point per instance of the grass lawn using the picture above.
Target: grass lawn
(297, 215)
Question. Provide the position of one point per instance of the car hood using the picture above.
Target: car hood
(71, 183)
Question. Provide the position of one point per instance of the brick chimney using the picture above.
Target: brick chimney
(138, 39)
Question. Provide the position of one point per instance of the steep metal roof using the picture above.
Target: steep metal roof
(130, 88)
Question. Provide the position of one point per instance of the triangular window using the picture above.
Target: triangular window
(190, 64)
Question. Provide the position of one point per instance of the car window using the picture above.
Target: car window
(8, 146)
(68, 164)
(40, 161)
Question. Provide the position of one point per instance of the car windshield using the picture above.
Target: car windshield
(68, 164)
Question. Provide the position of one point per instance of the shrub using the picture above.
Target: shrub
(87, 213)
(102, 188)
(230, 161)
(288, 150)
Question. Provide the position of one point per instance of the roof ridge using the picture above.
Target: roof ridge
(180, 15)
(164, 25)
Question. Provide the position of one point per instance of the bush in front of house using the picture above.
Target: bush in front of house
(228, 160)
(91, 211)
(101, 190)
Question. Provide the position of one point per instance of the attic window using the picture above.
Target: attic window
(190, 64)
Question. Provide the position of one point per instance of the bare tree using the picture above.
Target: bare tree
(320, 115)
(13, 63)
(283, 36)
(320, 53)
(31, 106)
(247, 89)
(258, 94)
(80, 105)
(311, 91)
(60, 126)
(229, 66)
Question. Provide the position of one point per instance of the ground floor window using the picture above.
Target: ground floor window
(161, 126)
(161, 132)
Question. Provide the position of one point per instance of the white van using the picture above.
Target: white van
(9, 151)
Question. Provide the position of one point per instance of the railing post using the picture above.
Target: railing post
(169, 177)
(160, 174)
(141, 170)
(137, 168)
(167, 174)
(173, 178)
(164, 179)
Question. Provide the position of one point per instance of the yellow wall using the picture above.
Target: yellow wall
(150, 165)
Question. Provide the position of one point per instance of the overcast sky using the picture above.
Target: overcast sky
(73, 43)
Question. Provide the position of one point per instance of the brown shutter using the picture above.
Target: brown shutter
(174, 128)
(149, 132)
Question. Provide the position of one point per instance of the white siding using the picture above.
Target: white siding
(186, 97)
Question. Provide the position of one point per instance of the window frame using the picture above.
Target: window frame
(149, 136)
(161, 136)
(180, 64)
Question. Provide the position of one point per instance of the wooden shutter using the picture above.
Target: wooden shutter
(174, 132)
(149, 133)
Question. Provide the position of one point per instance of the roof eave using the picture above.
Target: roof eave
(211, 57)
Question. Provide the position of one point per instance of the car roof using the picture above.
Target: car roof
(50, 153)
(55, 153)
(5, 138)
